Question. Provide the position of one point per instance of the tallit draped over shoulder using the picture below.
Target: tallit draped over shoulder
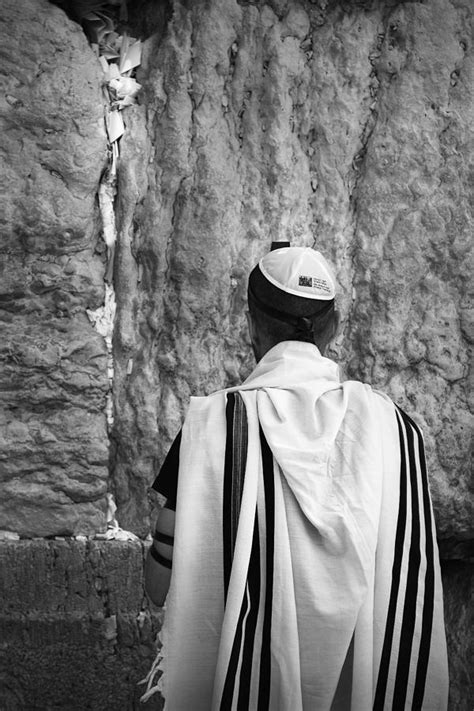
(305, 570)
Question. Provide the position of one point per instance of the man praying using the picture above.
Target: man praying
(297, 548)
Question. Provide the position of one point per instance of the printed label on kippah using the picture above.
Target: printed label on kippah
(314, 283)
(321, 284)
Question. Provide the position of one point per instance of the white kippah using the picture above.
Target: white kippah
(301, 271)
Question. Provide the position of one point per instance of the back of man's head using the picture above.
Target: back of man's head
(291, 297)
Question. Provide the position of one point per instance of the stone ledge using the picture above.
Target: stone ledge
(77, 632)
(76, 629)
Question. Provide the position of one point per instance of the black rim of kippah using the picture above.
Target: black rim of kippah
(301, 323)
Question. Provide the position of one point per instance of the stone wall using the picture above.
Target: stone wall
(344, 125)
(76, 631)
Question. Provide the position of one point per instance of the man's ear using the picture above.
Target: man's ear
(250, 324)
(324, 339)
(335, 323)
(254, 336)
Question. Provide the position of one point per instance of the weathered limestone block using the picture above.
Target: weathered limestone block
(54, 445)
(76, 631)
(345, 127)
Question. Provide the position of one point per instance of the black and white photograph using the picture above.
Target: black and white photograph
(236, 355)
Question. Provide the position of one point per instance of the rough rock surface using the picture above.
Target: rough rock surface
(458, 587)
(413, 250)
(75, 628)
(53, 377)
(348, 125)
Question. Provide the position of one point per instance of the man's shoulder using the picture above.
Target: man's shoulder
(373, 398)
(358, 386)
(380, 401)
(205, 406)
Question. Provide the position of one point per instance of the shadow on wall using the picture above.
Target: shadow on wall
(140, 18)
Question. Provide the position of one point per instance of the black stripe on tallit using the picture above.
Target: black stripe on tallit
(414, 560)
(382, 678)
(228, 690)
(235, 459)
(253, 582)
(227, 492)
(428, 600)
(265, 658)
(244, 634)
(239, 461)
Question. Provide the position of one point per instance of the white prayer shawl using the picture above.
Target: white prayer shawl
(307, 580)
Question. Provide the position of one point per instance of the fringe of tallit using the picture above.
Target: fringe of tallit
(154, 680)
